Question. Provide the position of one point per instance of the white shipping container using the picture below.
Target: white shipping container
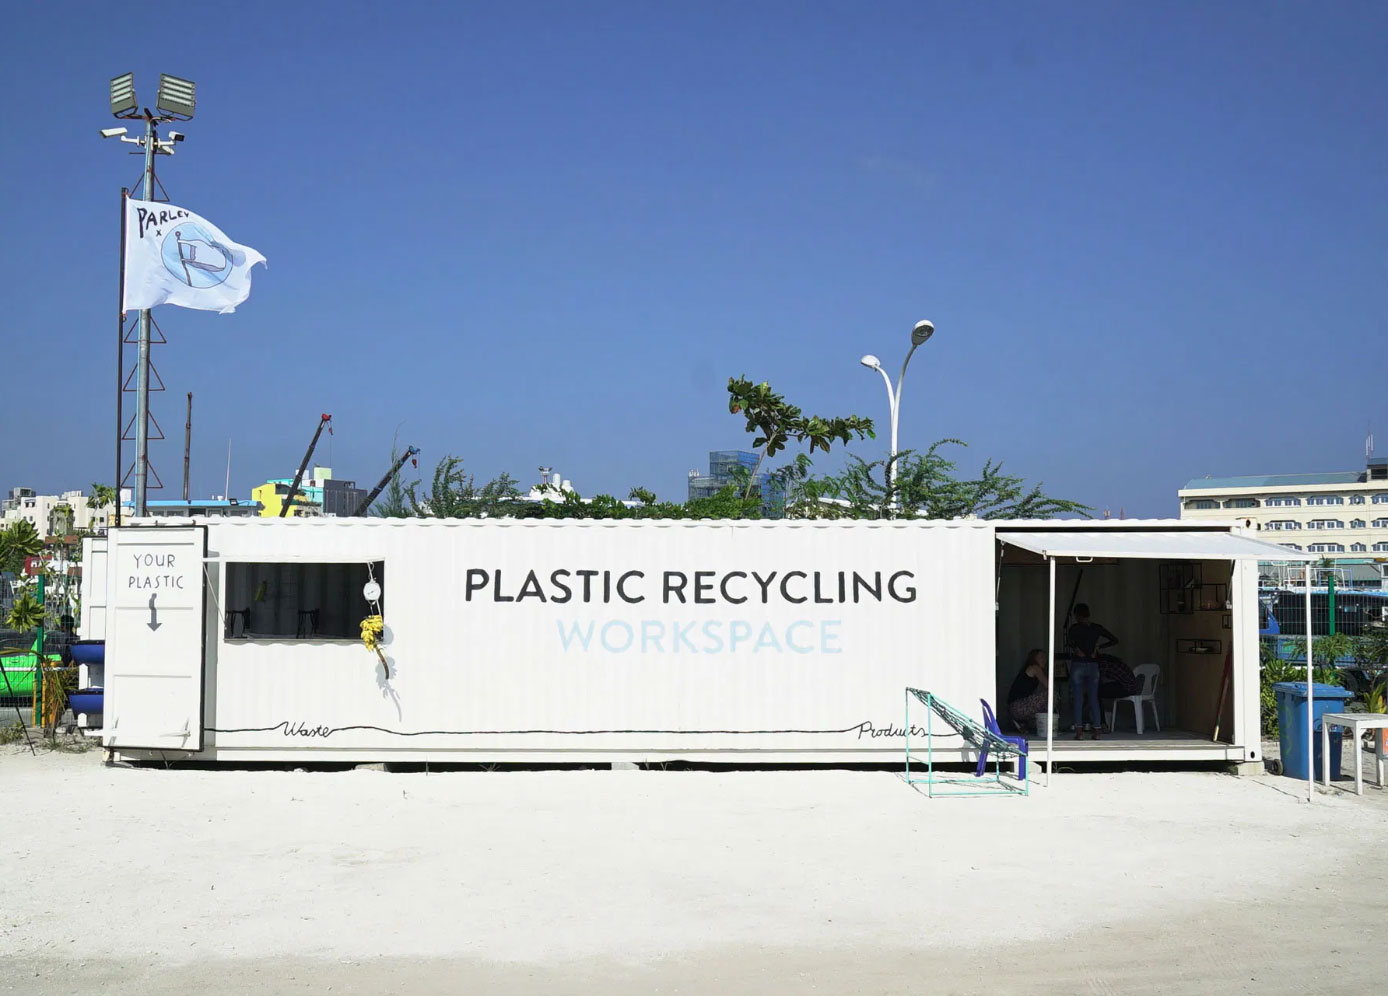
(544, 640)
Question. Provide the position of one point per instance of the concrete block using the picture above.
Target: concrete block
(1246, 768)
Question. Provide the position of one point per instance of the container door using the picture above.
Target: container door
(155, 626)
(93, 622)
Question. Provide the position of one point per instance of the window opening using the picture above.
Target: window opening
(298, 601)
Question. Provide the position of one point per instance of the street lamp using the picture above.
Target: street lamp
(175, 100)
(923, 330)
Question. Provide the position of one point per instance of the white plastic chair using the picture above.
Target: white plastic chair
(1151, 677)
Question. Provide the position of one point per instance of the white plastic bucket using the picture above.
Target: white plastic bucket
(1044, 723)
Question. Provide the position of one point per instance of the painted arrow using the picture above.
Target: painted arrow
(154, 622)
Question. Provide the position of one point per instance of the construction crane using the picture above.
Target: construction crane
(323, 420)
(409, 454)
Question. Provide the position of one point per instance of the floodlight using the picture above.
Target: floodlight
(176, 96)
(871, 362)
(112, 132)
(176, 136)
(922, 332)
(123, 95)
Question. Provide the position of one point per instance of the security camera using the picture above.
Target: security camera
(112, 132)
(177, 136)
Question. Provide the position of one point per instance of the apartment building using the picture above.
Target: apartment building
(1341, 515)
(53, 515)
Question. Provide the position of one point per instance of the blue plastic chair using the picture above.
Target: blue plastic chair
(991, 722)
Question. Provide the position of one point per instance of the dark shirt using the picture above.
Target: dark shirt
(1022, 686)
(1084, 637)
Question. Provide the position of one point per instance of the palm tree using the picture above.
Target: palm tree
(101, 496)
(18, 540)
(26, 613)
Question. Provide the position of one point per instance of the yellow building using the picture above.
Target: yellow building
(319, 494)
(271, 496)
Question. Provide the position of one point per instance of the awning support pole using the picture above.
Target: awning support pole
(1310, 700)
(1050, 676)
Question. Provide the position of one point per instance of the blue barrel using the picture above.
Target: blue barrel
(86, 700)
(1291, 723)
(89, 652)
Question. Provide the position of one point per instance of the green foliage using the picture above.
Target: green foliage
(393, 502)
(1370, 648)
(806, 496)
(729, 503)
(101, 496)
(926, 488)
(18, 540)
(453, 494)
(928, 485)
(1376, 699)
(1326, 649)
(58, 684)
(775, 422)
(1371, 653)
(26, 613)
(11, 734)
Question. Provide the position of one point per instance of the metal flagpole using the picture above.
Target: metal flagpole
(1310, 700)
(142, 362)
(1050, 676)
(187, 444)
(120, 358)
(176, 101)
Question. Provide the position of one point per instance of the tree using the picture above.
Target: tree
(102, 495)
(18, 540)
(497, 496)
(393, 502)
(927, 487)
(1371, 648)
(776, 422)
(453, 494)
(806, 496)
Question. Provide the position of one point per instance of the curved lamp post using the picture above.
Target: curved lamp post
(923, 331)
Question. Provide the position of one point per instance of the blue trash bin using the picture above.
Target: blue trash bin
(1291, 724)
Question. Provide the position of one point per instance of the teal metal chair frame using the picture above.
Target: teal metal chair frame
(975, 735)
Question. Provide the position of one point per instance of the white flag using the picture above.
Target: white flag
(174, 257)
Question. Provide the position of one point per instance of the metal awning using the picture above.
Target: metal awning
(1168, 544)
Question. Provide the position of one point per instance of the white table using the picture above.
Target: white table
(1356, 723)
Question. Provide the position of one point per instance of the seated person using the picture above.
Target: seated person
(1116, 679)
(1028, 693)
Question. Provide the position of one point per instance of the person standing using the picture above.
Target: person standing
(1085, 639)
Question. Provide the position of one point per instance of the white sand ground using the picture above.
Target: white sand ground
(599, 882)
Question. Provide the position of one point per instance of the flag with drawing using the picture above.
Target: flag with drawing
(174, 257)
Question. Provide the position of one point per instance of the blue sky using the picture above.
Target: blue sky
(1151, 238)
